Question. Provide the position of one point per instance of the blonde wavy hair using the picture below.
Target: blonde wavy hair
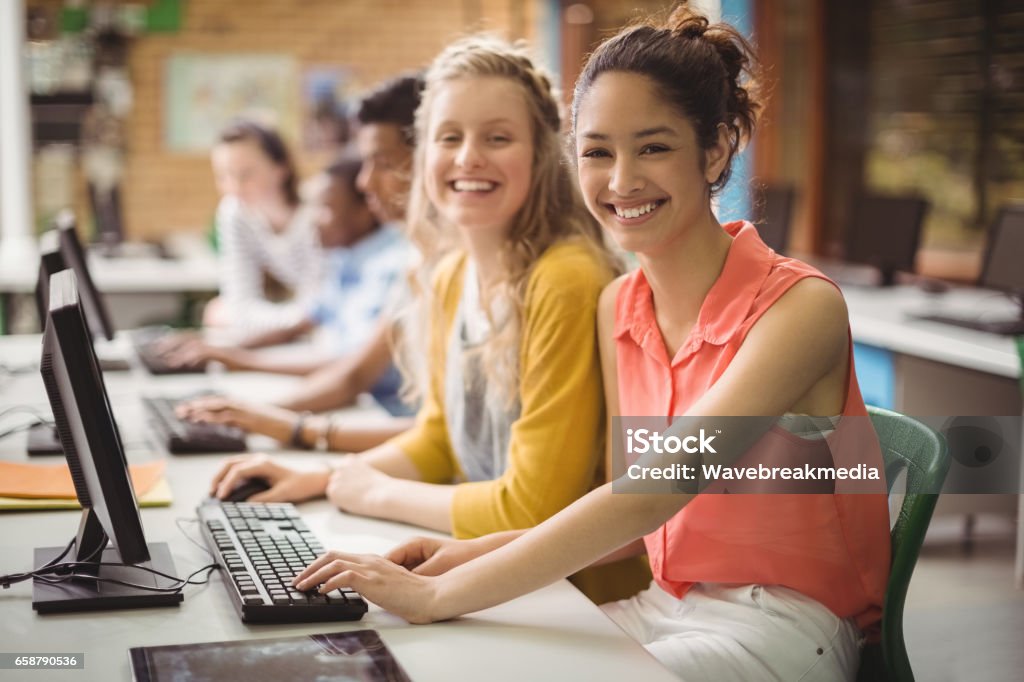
(552, 212)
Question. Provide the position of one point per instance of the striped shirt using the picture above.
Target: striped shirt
(249, 249)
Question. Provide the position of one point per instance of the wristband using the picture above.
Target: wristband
(297, 440)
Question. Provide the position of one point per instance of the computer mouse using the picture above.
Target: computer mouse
(246, 489)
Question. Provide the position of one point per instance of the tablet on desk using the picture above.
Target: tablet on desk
(337, 656)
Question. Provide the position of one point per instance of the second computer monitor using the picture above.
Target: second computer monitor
(1003, 268)
(885, 232)
(51, 261)
(74, 257)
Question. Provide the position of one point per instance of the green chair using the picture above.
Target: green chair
(911, 446)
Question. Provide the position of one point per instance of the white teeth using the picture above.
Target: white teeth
(473, 186)
(636, 211)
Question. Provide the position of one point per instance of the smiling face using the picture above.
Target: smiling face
(642, 173)
(479, 152)
(385, 174)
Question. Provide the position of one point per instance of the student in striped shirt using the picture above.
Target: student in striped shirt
(263, 232)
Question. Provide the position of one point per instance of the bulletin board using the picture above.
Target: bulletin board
(204, 92)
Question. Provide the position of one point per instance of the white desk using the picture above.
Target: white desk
(941, 369)
(132, 281)
(552, 634)
(192, 268)
(883, 317)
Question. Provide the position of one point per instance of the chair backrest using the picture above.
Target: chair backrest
(910, 446)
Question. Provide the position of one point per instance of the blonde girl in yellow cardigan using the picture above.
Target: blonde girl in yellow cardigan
(512, 417)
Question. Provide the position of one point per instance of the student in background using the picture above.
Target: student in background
(262, 231)
(384, 141)
(512, 421)
(362, 263)
(713, 325)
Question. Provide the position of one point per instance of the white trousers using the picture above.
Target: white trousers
(741, 632)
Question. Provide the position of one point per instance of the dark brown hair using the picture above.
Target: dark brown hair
(395, 102)
(273, 147)
(344, 170)
(708, 72)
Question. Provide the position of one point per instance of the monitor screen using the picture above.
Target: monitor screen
(51, 261)
(1003, 268)
(85, 423)
(74, 257)
(885, 233)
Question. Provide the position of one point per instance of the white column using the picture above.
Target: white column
(17, 244)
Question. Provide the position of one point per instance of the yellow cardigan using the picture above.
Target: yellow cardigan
(555, 443)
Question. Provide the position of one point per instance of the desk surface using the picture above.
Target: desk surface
(883, 317)
(552, 634)
(193, 269)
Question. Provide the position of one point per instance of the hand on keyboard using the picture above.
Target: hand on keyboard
(386, 584)
(434, 556)
(158, 348)
(193, 352)
(276, 422)
(180, 436)
(286, 485)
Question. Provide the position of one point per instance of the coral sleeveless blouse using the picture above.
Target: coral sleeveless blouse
(831, 547)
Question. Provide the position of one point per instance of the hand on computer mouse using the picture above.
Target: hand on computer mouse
(246, 489)
(286, 485)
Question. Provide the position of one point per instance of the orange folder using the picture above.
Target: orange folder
(18, 479)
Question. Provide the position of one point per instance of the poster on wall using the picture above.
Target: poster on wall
(205, 91)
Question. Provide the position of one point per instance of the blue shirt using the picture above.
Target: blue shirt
(357, 283)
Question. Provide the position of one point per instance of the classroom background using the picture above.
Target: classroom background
(111, 108)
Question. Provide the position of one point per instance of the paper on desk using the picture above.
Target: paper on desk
(50, 481)
(157, 496)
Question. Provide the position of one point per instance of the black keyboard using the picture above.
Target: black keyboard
(1006, 327)
(181, 436)
(262, 547)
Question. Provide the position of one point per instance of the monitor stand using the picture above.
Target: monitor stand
(43, 440)
(91, 595)
(888, 277)
(86, 594)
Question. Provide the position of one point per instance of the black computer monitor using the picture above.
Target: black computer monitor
(95, 455)
(885, 232)
(51, 261)
(1004, 258)
(74, 256)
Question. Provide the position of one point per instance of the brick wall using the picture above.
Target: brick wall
(166, 191)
